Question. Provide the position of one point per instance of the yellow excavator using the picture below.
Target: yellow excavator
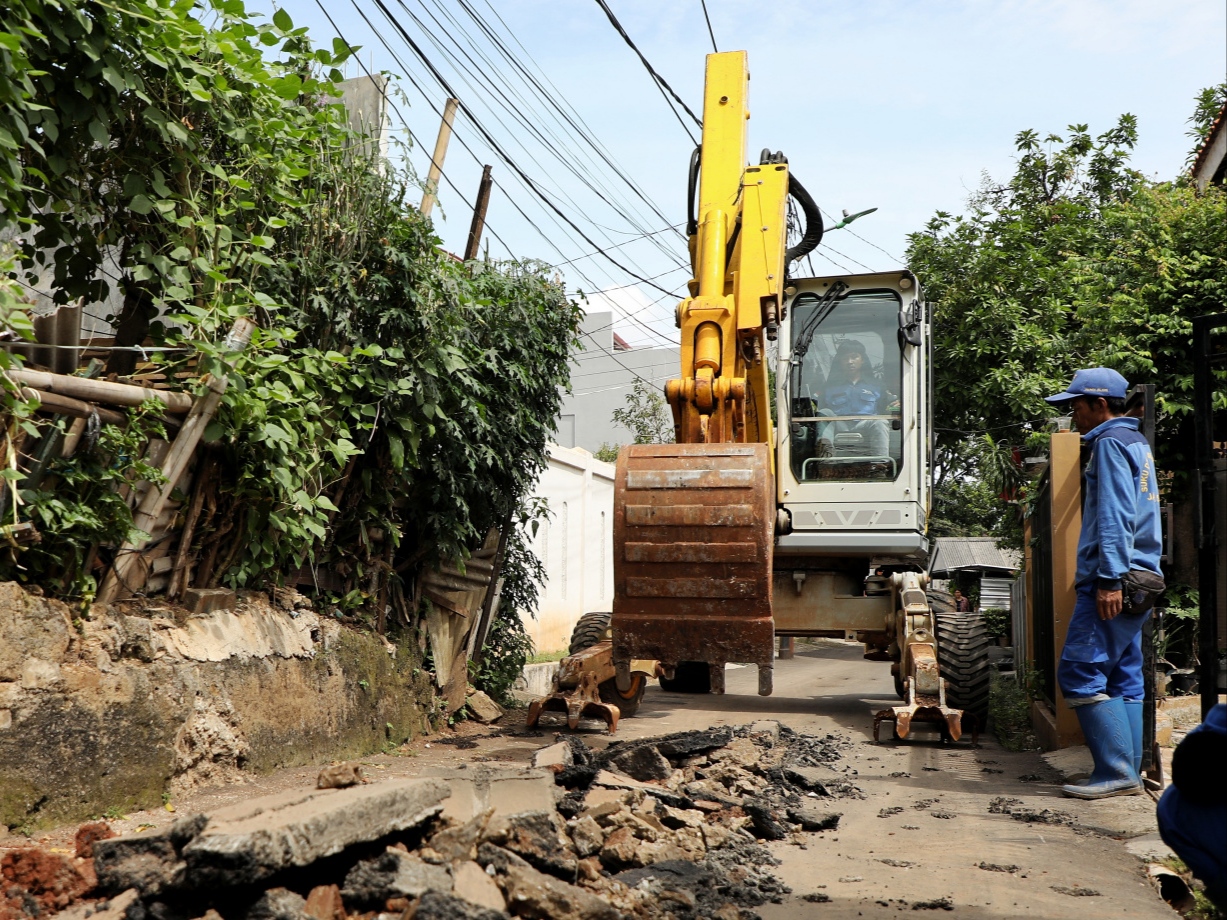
(749, 529)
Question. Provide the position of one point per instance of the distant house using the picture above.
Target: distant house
(968, 562)
(1210, 164)
(603, 370)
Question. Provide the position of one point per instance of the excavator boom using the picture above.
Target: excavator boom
(693, 521)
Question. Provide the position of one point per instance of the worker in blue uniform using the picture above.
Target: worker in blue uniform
(1193, 811)
(1100, 672)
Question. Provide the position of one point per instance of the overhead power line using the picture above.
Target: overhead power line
(863, 240)
(482, 75)
(401, 116)
(661, 83)
(709, 28)
(556, 100)
(507, 195)
(499, 149)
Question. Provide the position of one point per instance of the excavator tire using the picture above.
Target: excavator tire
(591, 629)
(689, 677)
(962, 655)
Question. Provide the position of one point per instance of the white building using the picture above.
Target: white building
(575, 545)
(603, 372)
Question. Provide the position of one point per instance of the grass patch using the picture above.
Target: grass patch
(1009, 712)
(1203, 908)
(543, 657)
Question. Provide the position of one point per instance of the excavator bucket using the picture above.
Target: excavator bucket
(692, 568)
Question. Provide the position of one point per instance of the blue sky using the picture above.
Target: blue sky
(902, 106)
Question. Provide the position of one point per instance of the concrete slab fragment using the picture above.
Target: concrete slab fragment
(1149, 848)
(482, 708)
(556, 755)
(506, 790)
(252, 840)
(472, 884)
(208, 600)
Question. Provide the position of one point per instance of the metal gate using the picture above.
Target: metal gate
(1040, 590)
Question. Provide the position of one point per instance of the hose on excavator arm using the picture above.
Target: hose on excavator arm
(813, 215)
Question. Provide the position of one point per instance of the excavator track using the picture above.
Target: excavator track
(692, 571)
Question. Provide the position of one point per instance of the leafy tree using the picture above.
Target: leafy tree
(394, 404)
(1075, 262)
(646, 415)
(1209, 106)
(607, 453)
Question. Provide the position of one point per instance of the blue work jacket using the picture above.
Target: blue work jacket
(1121, 529)
(860, 398)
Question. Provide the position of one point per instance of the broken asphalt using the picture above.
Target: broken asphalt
(864, 829)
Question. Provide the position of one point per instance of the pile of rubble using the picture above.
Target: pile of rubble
(668, 827)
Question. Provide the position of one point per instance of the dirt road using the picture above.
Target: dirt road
(939, 828)
(925, 828)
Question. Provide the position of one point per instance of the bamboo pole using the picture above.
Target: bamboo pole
(179, 579)
(73, 438)
(66, 405)
(103, 391)
(150, 508)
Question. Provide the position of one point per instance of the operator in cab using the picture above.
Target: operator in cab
(853, 390)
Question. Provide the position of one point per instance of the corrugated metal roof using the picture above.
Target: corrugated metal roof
(951, 554)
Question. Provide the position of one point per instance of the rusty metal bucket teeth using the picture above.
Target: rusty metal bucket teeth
(692, 553)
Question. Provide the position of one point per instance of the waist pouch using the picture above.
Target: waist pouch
(1139, 591)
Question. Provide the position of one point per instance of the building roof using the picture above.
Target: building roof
(978, 554)
(1211, 159)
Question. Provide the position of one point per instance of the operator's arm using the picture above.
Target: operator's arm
(1117, 506)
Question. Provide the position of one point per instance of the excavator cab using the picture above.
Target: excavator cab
(852, 399)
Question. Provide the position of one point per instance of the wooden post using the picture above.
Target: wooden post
(436, 161)
(479, 215)
(1060, 728)
(150, 508)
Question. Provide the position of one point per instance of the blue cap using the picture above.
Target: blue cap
(1093, 382)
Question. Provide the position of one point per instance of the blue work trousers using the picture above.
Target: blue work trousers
(1102, 659)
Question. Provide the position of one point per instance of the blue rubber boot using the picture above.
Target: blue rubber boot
(1108, 735)
(1133, 711)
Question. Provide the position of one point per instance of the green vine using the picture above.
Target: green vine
(394, 403)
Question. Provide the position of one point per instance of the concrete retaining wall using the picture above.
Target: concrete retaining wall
(538, 679)
(112, 710)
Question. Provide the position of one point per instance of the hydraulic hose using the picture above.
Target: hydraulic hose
(692, 187)
(813, 222)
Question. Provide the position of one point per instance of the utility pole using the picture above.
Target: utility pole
(479, 215)
(436, 161)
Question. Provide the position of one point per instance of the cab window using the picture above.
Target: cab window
(845, 387)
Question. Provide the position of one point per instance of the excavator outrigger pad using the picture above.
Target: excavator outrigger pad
(577, 689)
(584, 687)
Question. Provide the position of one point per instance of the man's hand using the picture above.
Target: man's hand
(1108, 602)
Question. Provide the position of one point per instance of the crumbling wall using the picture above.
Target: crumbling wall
(114, 709)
